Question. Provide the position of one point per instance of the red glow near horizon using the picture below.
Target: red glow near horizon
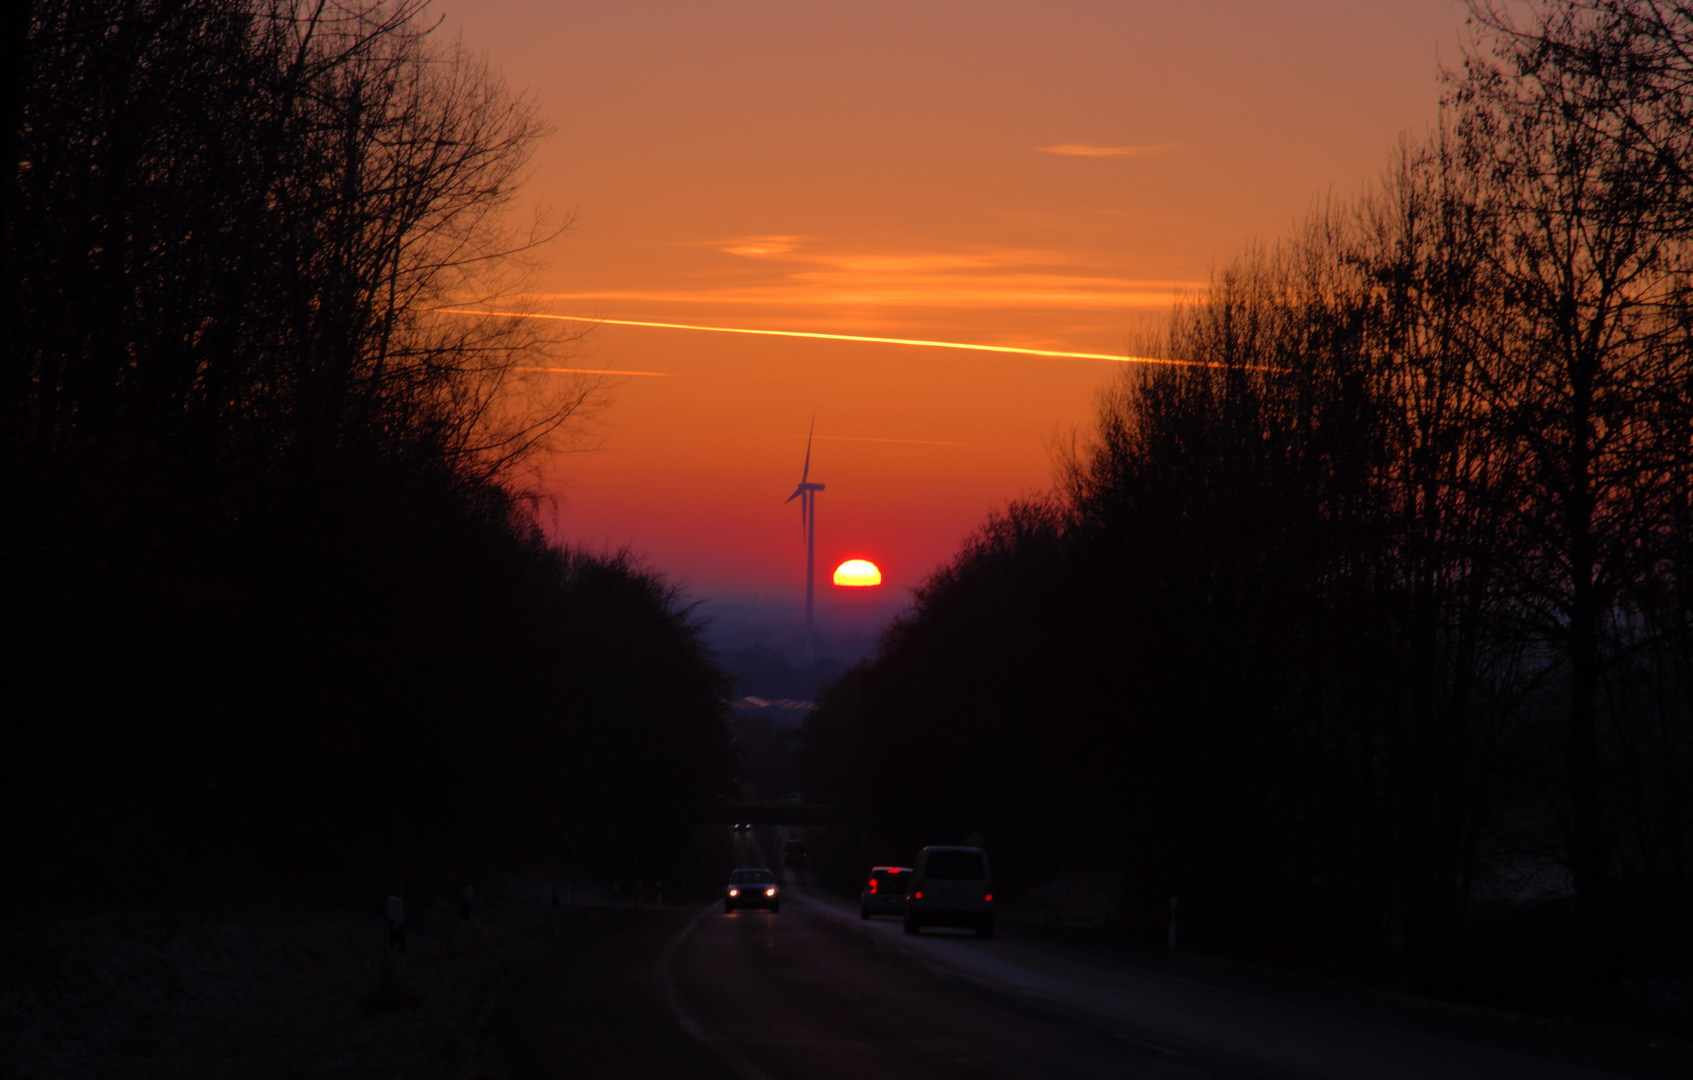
(942, 243)
(858, 574)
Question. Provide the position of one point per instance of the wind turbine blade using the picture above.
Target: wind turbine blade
(807, 470)
(797, 493)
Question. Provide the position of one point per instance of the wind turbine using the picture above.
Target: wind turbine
(807, 496)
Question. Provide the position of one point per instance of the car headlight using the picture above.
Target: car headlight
(734, 892)
(769, 892)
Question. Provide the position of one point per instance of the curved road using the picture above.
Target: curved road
(817, 992)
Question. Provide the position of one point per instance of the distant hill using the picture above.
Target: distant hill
(762, 671)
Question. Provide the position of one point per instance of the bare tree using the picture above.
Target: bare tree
(238, 221)
(1593, 273)
(1428, 297)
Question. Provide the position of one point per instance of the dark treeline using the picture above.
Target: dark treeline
(276, 605)
(1366, 628)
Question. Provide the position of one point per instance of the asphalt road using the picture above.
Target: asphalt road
(817, 992)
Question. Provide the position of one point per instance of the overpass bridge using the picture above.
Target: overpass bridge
(781, 812)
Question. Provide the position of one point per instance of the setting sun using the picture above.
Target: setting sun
(857, 572)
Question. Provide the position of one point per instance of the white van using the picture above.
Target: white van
(950, 886)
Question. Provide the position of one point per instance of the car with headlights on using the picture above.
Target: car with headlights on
(752, 887)
(950, 886)
(884, 892)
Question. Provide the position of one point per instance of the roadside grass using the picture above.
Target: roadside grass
(288, 989)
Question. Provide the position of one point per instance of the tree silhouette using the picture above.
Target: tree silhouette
(273, 585)
(1378, 604)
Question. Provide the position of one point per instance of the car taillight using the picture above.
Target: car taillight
(769, 892)
(872, 885)
(919, 894)
(988, 898)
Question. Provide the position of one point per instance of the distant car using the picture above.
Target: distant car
(749, 887)
(742, 826)
(793, 853)
(884, 893)
(950, 886)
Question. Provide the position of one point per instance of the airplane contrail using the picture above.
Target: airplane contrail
(586, 371)
(847, 337)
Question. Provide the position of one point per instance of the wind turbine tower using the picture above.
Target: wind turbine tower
(806, 493)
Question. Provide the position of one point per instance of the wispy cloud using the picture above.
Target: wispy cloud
(762, 246)
(794, 249)
(991, 278)
(803, 274)
(825, 289)
(1095, 150)
(1033, 298)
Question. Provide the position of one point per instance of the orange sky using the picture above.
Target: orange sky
(1015, 174)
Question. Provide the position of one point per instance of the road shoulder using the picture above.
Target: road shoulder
(1155, 998)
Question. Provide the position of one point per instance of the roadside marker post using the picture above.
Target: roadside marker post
(396, 955)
